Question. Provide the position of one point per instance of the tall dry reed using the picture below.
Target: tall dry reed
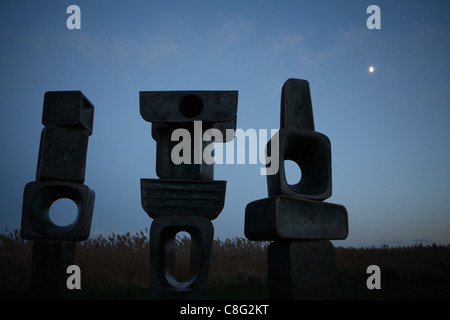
(118, 261)
(15, 262)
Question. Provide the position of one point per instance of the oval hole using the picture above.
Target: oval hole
(292, 172)
(63, 212)
(191, 106)
(182, 257)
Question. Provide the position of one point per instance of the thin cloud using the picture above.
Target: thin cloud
(389, 242)
(234, 30)
(124, 50)
(230, 33)
(422, 240)
(285, 42)
(342, 44)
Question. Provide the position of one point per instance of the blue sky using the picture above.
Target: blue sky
(389, 130)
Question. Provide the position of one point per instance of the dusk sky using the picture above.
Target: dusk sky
(389, 129)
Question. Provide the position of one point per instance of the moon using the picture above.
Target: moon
(371, 69)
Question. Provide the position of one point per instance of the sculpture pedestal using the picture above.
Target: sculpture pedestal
(48, 268)
(304, 269)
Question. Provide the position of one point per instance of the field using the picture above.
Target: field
(117, 267)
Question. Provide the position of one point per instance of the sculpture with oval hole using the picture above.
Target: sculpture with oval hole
(186, 197)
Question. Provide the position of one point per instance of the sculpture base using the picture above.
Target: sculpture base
(301, 270)
(50, 260)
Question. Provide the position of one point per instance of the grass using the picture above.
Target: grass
(117, 267)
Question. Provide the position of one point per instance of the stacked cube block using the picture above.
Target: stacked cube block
(301, 260)
(68, 120)
(185, 197)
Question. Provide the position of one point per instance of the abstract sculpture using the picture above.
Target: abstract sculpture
(185, 198)
(68, 120)
(301, 260)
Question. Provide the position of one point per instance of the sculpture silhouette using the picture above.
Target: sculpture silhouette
(301, 260)
(186, 197)
(68, 119)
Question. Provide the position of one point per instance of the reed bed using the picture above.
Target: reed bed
(122, 261)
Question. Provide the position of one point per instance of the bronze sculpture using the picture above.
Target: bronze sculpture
(68, 119)
(301, 259)
(185, 197)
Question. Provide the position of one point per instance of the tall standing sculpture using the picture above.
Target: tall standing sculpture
(68, 120)
(185, 197)
(301, 259)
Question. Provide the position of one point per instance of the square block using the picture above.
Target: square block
(296, 106)
(68, 108)
(311, 151)
(62, 154)
(302, 270)
(287, 217)
(182, 197)
(37, 200)
(188, 106)
(165, 166)
(163, 231)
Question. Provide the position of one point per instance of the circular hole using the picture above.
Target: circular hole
(63, 212)
(292, 172)
(190, 106)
